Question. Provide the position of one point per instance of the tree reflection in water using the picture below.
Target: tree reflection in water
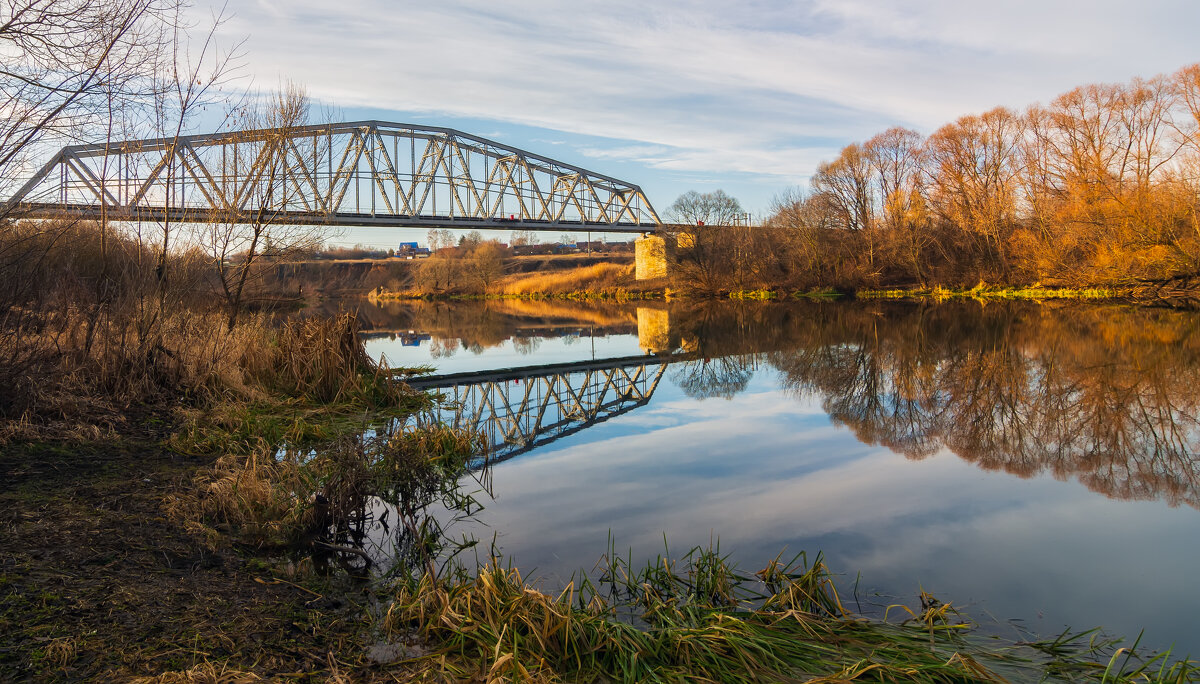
(1106, 394)
(723, 376)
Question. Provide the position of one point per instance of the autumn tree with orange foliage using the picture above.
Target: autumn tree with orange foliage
(1100, 186)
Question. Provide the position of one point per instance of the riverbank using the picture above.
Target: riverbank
(101, 577)
(98, 583)
(615, 281)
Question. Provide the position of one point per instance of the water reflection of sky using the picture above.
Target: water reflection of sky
(766, 472)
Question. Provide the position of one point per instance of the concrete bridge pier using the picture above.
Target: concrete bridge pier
(654, 253)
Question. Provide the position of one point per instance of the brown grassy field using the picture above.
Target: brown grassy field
(602, 278)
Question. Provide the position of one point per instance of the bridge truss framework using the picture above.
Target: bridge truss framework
(366, 173)
(517, 414)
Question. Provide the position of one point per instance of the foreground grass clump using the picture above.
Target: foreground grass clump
(310, 382)
(699, 620)
(288, 498)
(299, 462)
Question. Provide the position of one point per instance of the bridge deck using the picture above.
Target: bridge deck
(46, 210)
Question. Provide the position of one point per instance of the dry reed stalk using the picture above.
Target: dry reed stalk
(324, 360)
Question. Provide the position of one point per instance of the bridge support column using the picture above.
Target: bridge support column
(654, 330)
(653, 254)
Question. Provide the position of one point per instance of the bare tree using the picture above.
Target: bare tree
(93, 70)
(846, 181)
(439, 239)
(895, 157)
(69, 69)
(188, 79)
(66, 63)
(973, 177)
(470, 241)
(487, 263)
(250, 231)
(520, 238)
(714, 208)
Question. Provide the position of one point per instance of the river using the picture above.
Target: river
(1036, 465)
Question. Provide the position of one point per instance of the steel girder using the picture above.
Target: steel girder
(359, 173)
(516, 415)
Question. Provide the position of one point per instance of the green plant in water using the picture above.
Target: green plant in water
(983, 292)
(697, 619)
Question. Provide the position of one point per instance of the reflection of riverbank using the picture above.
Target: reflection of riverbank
(1106, 394)
(486, 323)
(1102, 393)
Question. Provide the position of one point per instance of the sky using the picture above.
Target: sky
(674, 96)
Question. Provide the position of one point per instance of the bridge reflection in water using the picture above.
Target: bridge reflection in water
(516, 410)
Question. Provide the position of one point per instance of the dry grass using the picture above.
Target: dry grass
(273, 498)
(87, 376)
(94, 322)
(700, 620)
(603, 278)
(260, 497)
(203, 673)
(323, 360)
(63, 366)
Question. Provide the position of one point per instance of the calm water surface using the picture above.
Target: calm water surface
(1035, 465)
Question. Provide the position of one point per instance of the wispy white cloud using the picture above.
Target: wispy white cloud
(765, 88)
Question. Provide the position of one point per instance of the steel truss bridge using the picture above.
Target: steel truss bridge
(364, 173)
(519, 409)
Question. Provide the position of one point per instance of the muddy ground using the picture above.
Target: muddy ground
(96, 583)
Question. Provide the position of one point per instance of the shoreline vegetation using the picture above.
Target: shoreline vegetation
(579, 285)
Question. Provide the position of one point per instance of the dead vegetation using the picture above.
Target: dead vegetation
(97, 584)
(92, 324)
(268, 498)
(610, 279)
